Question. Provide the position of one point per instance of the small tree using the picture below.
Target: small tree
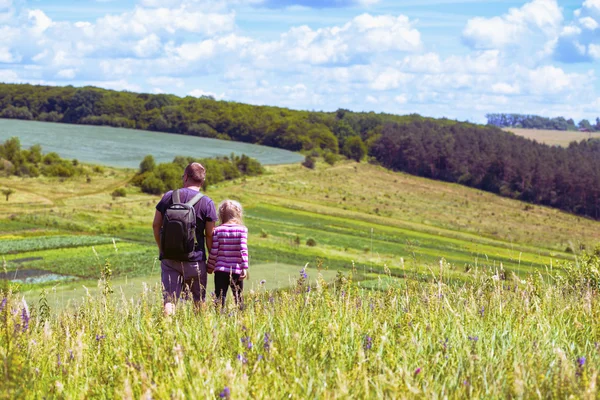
(148, 164)
(7, 193)
(354, 148)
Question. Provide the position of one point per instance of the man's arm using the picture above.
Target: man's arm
(156, 225)
(209, 227)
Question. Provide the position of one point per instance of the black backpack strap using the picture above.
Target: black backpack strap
(194, 200)
(176, 198)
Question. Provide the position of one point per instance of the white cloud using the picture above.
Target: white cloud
(166, 81)
(537, 17)
(148, 46)
(506, 88)
(364, 36)
(8, 76)
(578, 41)
(389, 79)
(202, 93)
(66, 73)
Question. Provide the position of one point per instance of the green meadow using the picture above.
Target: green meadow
(415, 289)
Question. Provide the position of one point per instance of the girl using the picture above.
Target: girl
(229, 253)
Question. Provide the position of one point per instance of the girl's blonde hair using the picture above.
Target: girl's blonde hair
(230, 212)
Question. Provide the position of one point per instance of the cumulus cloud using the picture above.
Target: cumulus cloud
(580, 40)
(318, 3)
(362, 37)
(538, 17)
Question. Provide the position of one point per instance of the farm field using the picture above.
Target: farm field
(125, 148)
(551, 137)
(415, 288)
(358, 216)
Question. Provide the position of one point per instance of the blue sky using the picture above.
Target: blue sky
(458, 59)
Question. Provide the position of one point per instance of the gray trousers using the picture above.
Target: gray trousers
(183, 277)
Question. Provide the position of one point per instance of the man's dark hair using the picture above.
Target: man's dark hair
(196, 172)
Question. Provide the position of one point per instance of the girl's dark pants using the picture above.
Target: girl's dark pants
(225, 280)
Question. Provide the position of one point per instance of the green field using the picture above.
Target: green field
(127, 147)
(359, 216)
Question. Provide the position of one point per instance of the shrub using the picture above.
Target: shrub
(148, 164)
(119, 192)
(153, 185)
(330, 158)
(309, 162)
(311, 242)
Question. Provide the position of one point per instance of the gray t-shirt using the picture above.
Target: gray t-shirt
(205, 212)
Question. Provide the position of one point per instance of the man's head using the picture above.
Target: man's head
(194, 175)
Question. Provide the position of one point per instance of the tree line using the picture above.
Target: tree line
(537, 122)
(158, 179)
(15, 161)
(506, 164)
(479, 156)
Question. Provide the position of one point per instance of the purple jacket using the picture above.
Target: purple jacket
(229, 252)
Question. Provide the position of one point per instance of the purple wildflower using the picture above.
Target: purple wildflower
(242, 358)
(25, 319)
(581, 362)
(3, 304)
(267, 342)
(225, 394)
(417, 371)
(263, 282)
(58, 360)
(246, 341)
(474, 338)
(368, 344)
(482, 311)
(100, 337)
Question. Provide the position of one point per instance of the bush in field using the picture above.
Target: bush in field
(153, 185)
(330, 158)
(310, 242)
(309, 162)
(119, 192)
(148, 164)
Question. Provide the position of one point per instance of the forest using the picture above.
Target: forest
(537, 122)
(479, 156)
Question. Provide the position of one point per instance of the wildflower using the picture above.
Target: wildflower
(246, 340)
(267, 342)
(308, 289)
(581, 362)
(263, 282)
(417, 371)
(482, 311)
(242, 358)
(474, 338)
(25, 319)
(225, 394)
(58, 360)
(3, 304)
(100, 337)
(368, 344)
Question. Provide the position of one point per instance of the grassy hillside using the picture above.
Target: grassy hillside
(553, 137)
(357, 214)
(420, 308)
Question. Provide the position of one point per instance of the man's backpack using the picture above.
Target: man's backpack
(178, 235)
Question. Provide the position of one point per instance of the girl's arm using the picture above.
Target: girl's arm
(244, 249)
(213, 252)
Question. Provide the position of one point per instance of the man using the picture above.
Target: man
(187, 274)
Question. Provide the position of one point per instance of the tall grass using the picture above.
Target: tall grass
(487, 338)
